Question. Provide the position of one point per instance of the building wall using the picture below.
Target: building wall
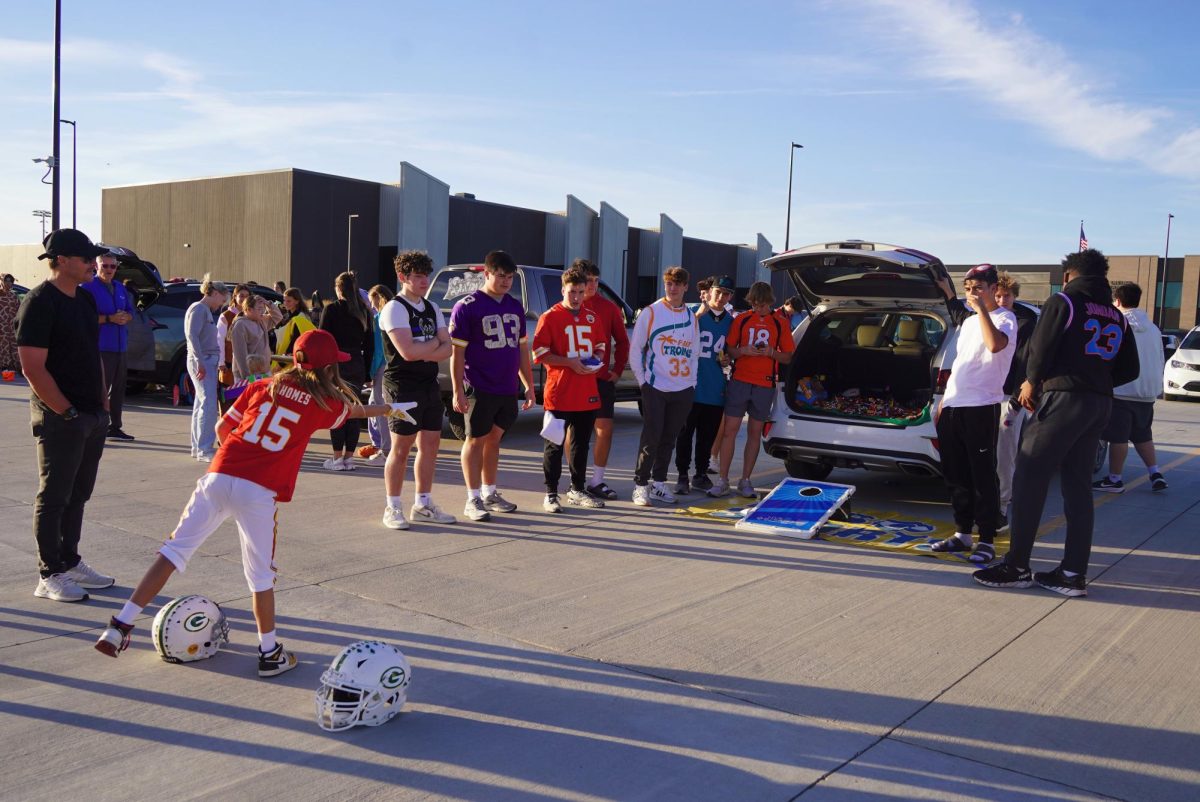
(424, 214)
(22, 262)
(322, 229)
(612, 244)
(477, 227)
(238, 228)
(1189, 312)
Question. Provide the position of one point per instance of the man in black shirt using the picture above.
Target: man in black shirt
(58, 339)
(1080, 349)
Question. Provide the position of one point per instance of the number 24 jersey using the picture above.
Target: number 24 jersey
(270, 436)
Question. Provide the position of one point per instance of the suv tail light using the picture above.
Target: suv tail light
(941, 378)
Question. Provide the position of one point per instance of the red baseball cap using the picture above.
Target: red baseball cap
(320, 349)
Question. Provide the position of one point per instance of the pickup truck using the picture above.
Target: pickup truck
(538, 289)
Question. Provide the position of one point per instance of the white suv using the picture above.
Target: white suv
(875, 342)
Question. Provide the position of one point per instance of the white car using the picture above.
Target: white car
(871, 364)
(1181, 376)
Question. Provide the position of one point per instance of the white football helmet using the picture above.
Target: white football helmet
(367, 683)
(189, 628)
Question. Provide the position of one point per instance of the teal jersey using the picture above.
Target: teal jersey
(710, 389)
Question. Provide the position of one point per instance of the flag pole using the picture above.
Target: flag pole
(1081, 236)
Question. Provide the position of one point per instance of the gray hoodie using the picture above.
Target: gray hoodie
(1149, 383)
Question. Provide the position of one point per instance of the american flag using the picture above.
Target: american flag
(1083, 243)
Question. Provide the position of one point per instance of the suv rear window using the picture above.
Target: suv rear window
(452, 285)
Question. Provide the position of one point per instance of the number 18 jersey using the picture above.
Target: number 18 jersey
(269, 437)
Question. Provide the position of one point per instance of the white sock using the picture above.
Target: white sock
(1114, 477)
(129, 612)
(1152, 469)
(266, 641)
(424, 500)
(489, 491)
(472, 493)
(597, 475)
(395, 502)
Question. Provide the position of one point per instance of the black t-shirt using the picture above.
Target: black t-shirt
(69, 329)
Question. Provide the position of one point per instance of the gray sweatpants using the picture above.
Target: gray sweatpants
(663, 416)
(1060, 437)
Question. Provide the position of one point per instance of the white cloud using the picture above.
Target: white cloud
(1034, 80)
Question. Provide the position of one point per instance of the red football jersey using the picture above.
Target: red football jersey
(610, 332)
(565, 333)
(269, 437)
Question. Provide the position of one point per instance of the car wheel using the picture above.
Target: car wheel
(135, 388)
(1101, 457)
(180, 387)
(799, 469)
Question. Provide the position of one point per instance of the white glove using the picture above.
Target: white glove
(400, 410)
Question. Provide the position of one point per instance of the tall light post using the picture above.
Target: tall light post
(787, 235)
(74, 179)
(1162, 289)
(349, 229)
(55, 91)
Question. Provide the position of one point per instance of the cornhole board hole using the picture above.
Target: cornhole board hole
(797, 508)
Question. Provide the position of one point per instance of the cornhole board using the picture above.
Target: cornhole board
(796, 508)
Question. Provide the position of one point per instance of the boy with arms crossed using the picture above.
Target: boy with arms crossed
(415, 340)
(561, 342)
(487, 331)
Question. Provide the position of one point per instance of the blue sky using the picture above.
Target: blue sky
(978, 131)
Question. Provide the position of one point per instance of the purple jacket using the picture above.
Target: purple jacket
(111, 299)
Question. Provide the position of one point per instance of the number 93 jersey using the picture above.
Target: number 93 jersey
(492, 333)
(270, 435)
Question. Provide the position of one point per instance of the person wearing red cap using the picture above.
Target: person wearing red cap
(263, 438)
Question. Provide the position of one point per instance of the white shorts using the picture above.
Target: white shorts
(251, 506)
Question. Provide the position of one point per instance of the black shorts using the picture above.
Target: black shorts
(608, 399)
(485, 410)
(428, 413)
(1129, 422)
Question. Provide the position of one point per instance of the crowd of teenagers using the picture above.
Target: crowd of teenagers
(702, 370)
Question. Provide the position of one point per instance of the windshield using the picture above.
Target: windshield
(1192, 340)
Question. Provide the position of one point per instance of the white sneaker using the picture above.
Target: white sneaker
(378, 457)
(85, 576)
(393, 518)
(659, 492)
(348, 464)
(204, 456)
(580, 498)
(333, 464)
(59, 587)
(720, 488)
(431, 514)
(550, 503)
(475, 510)
(641, 495)
(745, 489)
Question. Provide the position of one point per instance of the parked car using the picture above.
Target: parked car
(538, 289)
(164, 317)
(871, 364)
(1170, 340)
(1181, 376)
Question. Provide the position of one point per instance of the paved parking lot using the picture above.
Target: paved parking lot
(620, 654)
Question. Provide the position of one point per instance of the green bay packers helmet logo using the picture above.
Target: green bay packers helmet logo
(195, 622)
(393, 677)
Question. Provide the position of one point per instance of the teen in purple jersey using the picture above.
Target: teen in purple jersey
(487, 331)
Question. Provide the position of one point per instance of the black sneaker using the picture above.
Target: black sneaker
(275, 662)
(601, 491)
(683, 486)
(1003, 575)
(1060, 583)
(117, 434)
(1107, 485)
(702, 483)
(1157, 482)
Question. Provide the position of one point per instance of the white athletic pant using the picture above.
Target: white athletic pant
(1011, 424)
(251, 506)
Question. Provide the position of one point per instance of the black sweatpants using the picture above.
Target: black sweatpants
(702, 424)
(1061, 437)
(663, 415)
(115, 375)
(68, 453)
(579, 431)
(967, 442)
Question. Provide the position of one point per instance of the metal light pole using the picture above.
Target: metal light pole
(55, 91)
(1162, 289)
(74, 179)
(42, 213)
(349, 228)
(787, 235)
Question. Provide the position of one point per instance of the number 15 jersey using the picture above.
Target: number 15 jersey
(565, 333)
(270, 436)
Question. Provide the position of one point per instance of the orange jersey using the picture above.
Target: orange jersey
(269, 437)
(749, 328)
(565, 333)
(612, 336)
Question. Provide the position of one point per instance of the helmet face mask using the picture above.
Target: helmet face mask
(366, 684)
(189, 628)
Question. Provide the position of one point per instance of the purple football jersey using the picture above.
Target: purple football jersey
(493, 333)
